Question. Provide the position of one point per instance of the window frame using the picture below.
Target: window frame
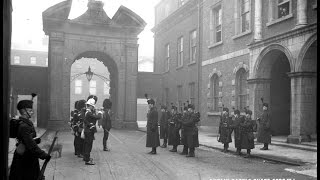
(214, 92)
(180, 53)
(77, 86)
(192, 91)
(106, 88)
(193, 46)
(16, 59)
(241, 89)
(33, 60)
(179, 97)
(93, 88)
(273, 12)
(167, 59)
(214, 10)
(241, 16)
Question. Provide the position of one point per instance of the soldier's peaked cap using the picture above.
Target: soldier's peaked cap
(237, 112)
(81, 104)
(266, 104)
(225, 109)
(107, 103)
(23, 104)
(151, 101)
(94, 97)
(191, 106)
(249, 112)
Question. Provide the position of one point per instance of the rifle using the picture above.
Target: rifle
(47, 160)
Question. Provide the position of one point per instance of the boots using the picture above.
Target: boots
(164, 145)
(248, 153)
(265, 147)
(153, 151)
(174, 149)
(191, 152)
(238, 151)
(225, 147)
(105, 149)
(184, 151)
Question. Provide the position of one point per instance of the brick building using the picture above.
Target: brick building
(247, 53)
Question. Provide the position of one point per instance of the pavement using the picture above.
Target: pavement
(303, 156)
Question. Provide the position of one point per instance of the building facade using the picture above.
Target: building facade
(254, 51)
(176, 51)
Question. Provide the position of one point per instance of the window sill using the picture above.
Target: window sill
(191, 63)
(179, 67)
(214, 113)
(241, 34)
(166, 71)
(214, 45)
(275, 21)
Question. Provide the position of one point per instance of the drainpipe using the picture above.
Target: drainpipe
(125, 76)
(199, 55)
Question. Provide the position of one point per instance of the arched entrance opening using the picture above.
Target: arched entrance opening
(103, 83)
(273, 67)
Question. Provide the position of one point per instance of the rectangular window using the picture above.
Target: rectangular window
(78, 87)
(167, 63)
(46, 61)
(93, 87)
(106, 88)
(245, 15)
(33, 60)
(193, 46)
(216, 24)
(180, 51)
(214, 92)
(16, 59)
(180, 105)
(283, 8)
(192, 92)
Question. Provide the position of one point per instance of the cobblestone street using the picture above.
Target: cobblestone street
(128, 159)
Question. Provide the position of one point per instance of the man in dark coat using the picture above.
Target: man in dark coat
(225, 129)
(264, 131)
(174, 128)
(106, 122)
(190, 128)
(81, 105)
(183, 136)
(164, 126)
(75, 127)
(89, 129)
(236, 127)
(153, 140)
(246, 131)
(25, 163)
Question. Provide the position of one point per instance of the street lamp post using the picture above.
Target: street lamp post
(89, 74)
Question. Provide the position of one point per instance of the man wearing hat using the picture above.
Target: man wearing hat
(190, 130)
(183, 136)
(89, 129)
(81, 106)
(106, 122)
(247, 137)
(174, 128)
(264, 131)
(225, 129)
(164, 125)
(236, 127)
(75, 127)
(153, 140)
(25, 163)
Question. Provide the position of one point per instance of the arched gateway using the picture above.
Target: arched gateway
(93, 35)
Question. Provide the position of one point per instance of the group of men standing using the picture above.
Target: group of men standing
(244, 127)
(175, 128)
(83, 124)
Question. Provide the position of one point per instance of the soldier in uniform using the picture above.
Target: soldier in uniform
(89, 129)
(153, 140)
(25, 163)
(75, 127)
(106, 122)
(236, 127)
(174, 128)
(225, 129)
(164, 126)
(81, 106)
(247, 137)
(183, 135)
(191, 130)
(264, 131)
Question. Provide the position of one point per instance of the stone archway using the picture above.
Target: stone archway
(93, 34)
(272, 83)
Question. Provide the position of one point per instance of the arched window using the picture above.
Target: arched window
(214, 92)
(241, 89)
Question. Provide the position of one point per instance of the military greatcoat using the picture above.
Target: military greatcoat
(190, 130)
(164, 125)
(174, 128)
(264, 131)
(236, 127)
(247, 137)
(225, 129)
(152, 128)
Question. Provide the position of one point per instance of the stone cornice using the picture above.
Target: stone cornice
(302, 74)
(175, 17)
(258, 81)
(289, 34)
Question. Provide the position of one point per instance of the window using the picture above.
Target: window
(245, 15)
(192, 92)
(33, 60)
(214, 93)
(180, 105)
(167, 61)
(93, 87)
(216, 24)
(241, 89)
(193, 46)
(180, 51)
(16, 59)
(279, 9)
(166, 10)
(106, 88)
(46, 61)
(78, 87)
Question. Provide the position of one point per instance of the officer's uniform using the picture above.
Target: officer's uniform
(246, 130)
(164, 126)
(183, 135)
(264, 130)
(173, 130)
(106, 122)
(81, 106)
(153, 140)
(225, 130)
(236, 127)
(26, 165)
